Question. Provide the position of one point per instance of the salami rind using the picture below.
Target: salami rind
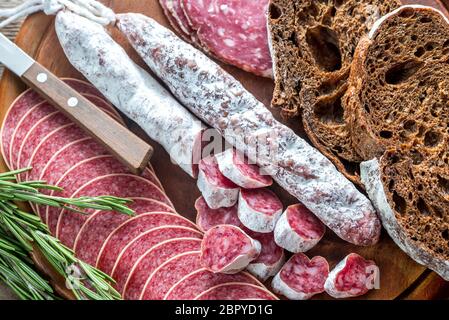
(259, 209)
(236, 291)
(301, 278)
(298, 230)
(217, 190)
(352, 277)
(228, 249)
(236, 168)
(207, 218)
(223, 103)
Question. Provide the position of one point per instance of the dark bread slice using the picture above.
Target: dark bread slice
(313, 43)
(401, 112)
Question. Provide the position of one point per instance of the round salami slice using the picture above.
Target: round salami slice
(201, 280)
(207, 218)
(168, 274)
(152, 259)
(131, 229)
(174, 14)
(352, 277)
(298, 229)
(217, 190)
(236, 291)
(228, 249)
(135, 251)
(301, 278)
(234, 166)
(118, 185)
(234, 31)
(100, 225)
(259, 209)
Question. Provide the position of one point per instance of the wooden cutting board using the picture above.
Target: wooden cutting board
(400, 276)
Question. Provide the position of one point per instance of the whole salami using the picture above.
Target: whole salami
(222, 102)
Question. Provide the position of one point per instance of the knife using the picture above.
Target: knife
(122, 143)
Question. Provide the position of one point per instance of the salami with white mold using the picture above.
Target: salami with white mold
(234, 166)
(259, 209)
(298, 229)
(301, 278)
(217, 190)
(206, 218)
(222, 102)
(236, 291)
(228, 249)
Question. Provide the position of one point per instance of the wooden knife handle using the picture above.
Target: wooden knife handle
(122, 143)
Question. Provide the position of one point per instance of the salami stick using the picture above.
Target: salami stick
(223, 103)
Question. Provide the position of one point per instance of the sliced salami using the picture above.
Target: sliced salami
(168, 274)
(100, 225)
(217, 190)
(301, 278)
(259, 209)
(207, 218)
(228, 249)
(152, 259)
(235, 166)
(173, 17)
(118, 185)
(298, 229)
(135, 251)
(131, 229)
(352, 277)
(201, 280)
(236, 291)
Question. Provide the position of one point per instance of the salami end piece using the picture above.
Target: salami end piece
(207, 218)
(228, 249)
(298, 229)
(301, 278)
(352, 277)
(234, 166)
(217, 190)
(259, 209)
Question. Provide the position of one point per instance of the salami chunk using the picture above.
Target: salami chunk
(131, 229)
(228, 249)
(298, 229)
(234, 31)
(352, 277)
(134, 251)
(217, 190)
(207, 218)
(236, 291)
(259, 209)
(301, 278)
(151, 260)
(235, 167)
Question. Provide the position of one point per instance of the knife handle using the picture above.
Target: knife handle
(122, 143)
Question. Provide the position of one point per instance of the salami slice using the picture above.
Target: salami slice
(236, 291)
(235, 166)
(99, 226)
(201, 280)
(228, 249)
(118, 185)
(174, 18)
(207, 218)
(259, 209)
(135, 251)
(168, 274)
(301, 278)
(298, 229)
(151, 260)
(131, 229)
(234, 31)
(217, 190)
(352, 277)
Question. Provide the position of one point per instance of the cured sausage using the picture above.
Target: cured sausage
(301, 278)
(177, 18)
(259, 209)
(223, 103)
(236, 168)
(217, 190)
(298, 230)
(228, 249)
(352, 277)
(207, 218)
(236, 291)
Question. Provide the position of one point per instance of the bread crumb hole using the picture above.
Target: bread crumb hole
(432, 139)
(324, 47)
(330, 111)
(443, 183)
(399, 203)
(402, 72)
(445, 234)
(414, 37)
(423, 208)
(407, 13)
(425, 20)
(430, 46)
(275, 12)
(410, 125)
(420, 52)
(386, 134)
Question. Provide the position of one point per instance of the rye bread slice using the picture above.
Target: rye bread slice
(313, 43)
